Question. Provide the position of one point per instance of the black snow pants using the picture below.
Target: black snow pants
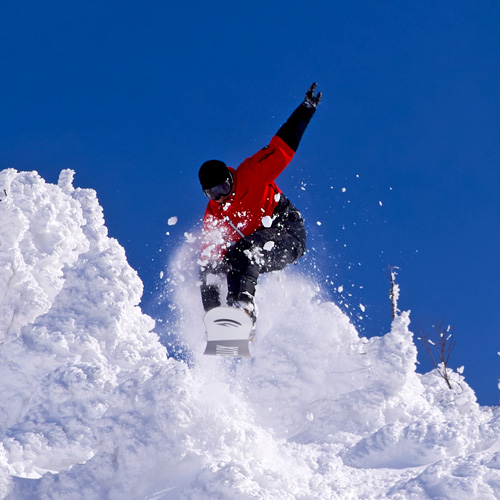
(267, 249)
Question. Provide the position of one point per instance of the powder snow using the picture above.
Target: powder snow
(94, 406)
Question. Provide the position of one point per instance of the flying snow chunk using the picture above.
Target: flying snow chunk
(380, 203)
(172, 221)
(267, 221)
(269, 246)
(344, 190)
(362, 307)
(318, 223)
(190, 238)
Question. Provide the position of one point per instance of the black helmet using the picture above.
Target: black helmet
(212, 173)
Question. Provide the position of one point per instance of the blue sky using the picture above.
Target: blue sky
(400, 163)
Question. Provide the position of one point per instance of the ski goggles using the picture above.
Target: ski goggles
(221, 190)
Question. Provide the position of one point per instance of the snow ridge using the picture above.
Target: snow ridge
(93, 407)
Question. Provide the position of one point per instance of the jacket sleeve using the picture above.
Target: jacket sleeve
(268, 163)
(293, 129)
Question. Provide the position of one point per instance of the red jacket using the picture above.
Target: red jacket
(254, 198)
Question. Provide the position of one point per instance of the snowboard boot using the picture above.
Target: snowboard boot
(249, 307)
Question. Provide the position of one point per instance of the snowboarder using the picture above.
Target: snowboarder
(250, 227)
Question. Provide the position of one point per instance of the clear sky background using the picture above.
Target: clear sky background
(400, 164)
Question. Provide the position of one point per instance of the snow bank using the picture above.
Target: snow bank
(93, 407)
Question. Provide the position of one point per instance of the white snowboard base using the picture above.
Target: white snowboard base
(228, 332)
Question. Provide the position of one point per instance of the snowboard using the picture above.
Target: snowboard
(228, 332)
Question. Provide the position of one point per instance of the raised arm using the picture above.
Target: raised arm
(292, 130)
(268, 163)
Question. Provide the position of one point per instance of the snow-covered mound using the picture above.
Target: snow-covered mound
(93, 407)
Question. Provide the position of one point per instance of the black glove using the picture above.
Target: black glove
(310, 100)
(213, 268)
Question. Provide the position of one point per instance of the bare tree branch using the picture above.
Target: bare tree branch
(440, 349)
(394, 291)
